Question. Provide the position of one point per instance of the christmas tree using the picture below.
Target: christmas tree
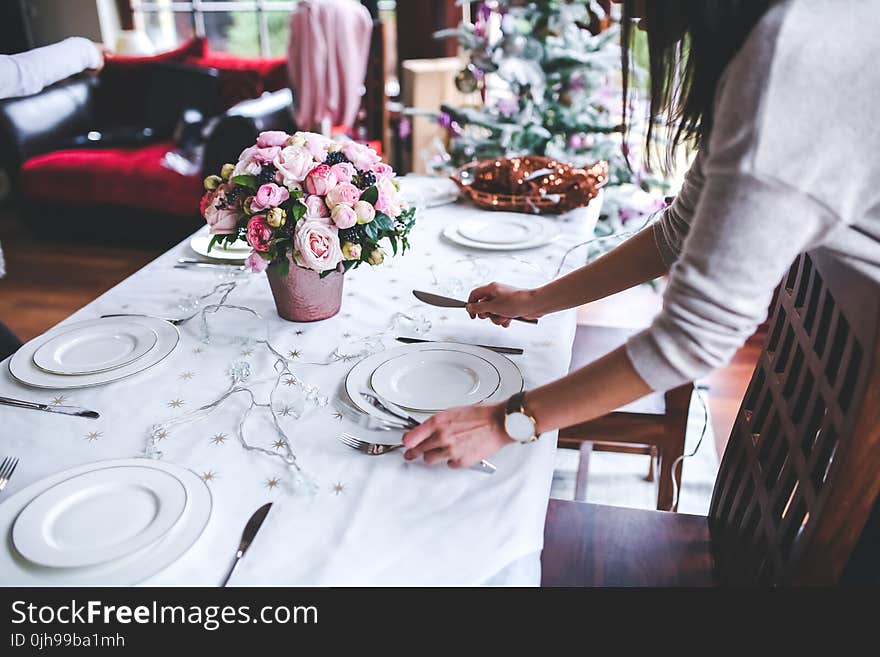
(549, 84)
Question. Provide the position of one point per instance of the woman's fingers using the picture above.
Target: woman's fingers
(482, 292)
(419, 434)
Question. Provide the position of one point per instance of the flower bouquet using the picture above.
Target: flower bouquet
(311, 208)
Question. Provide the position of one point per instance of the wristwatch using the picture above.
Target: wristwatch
(518, 422)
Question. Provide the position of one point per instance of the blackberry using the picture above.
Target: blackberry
(336, 157)
(267, 174)
(366, 179)
(234, 195)
(355, 234)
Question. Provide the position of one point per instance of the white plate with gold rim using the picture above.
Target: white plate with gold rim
(95, 347)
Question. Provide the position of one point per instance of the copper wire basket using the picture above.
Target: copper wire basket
(531, 184)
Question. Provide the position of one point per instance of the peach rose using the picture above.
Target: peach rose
(343, 194)
(320, 180)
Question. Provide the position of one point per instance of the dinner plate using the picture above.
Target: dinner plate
(502, 230)
(99, 516)
(15, 570)
(548, 233)
(238, 250)
(359, 377)
(95, 348)
(435, 379)
(23, 368)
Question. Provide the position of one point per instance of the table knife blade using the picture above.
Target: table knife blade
(48, 408)
(449, 302)
(501, 350)
(247, 537)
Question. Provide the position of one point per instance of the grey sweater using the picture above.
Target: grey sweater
(792, 165)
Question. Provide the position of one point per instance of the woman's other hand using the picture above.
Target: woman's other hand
(461, 437)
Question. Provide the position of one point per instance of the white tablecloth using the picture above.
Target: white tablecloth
(373, 520)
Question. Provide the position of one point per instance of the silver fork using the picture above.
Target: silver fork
(377, 449)
(175, 322)
(371, 449)
(6, 469)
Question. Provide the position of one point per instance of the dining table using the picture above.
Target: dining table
(361, 520)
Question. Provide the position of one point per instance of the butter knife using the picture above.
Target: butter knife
(49, 408)
(501, 350)
(247, 537)
(448, 302)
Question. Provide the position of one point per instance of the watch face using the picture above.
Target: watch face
(519, 426)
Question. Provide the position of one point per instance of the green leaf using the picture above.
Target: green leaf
(383, 221)
(298, 211)
(393, 241)
(371, 195)
(245, 180)
(373, 231)
(214, 240)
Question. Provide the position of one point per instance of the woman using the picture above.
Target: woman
(780, 98)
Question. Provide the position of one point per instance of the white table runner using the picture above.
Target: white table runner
(373, 520)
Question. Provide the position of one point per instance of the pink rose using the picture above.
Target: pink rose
(344, 193)
(272, 138)
(365, 212)
(246, 163)
(343, 216)
(320, 180)
(363, 157)
(256, 263)
(344, 171)
(383, 170)
(317, 246)
(266, 155)
(316, 144)
(259, 233)
(316, 208)
(268, 196)
(389, 200)
(293, 164)
(218, 214)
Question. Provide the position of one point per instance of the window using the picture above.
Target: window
(248, 28)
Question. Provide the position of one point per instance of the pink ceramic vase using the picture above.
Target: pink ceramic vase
(303, 296)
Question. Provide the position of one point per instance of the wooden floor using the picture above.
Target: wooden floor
(46, 282)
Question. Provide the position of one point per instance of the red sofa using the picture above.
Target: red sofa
(125, 193)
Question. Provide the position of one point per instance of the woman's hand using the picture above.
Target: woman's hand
(501, 303)
(460, 436)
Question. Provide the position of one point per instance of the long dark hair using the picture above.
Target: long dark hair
(690, 43)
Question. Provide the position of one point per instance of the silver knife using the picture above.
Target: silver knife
(247, 537)
(49, 408)
(448, 302)
(207, 265)
(218, 263)
(500, 350)
(396, 411)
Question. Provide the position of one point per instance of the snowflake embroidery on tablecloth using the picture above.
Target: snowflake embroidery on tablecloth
(294, 353)
(92, 436)
(290, 381)
(187, 376)
(218, 439)
(176, 403)
(60, 399)
(161, 434)
(208, 476)
(338, 488)
(272, 483)
(247, 352)
(286, 411)
(279, 444)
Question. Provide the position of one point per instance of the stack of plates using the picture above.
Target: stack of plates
(502, 231)
(107, 523)
(430, 377)
(93, 352)
(236, 252)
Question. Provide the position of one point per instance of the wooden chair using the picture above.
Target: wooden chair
(654, 425)
(799, 477)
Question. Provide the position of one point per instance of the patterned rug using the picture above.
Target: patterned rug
(619, 479)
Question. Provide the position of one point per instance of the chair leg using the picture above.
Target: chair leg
(583, 471)
(651, 458)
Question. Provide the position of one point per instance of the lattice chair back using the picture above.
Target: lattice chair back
(801, 470)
